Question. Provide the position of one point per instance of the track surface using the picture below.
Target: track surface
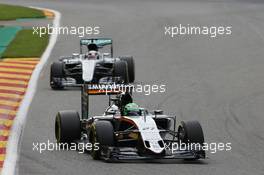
(219, 82)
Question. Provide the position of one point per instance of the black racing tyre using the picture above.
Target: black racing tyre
(67, 126)
(57, 69)
(56, 74)
(102, 133)
(121, 70)
(191, 132)
(130, 66)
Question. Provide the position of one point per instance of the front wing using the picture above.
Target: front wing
(127, 153)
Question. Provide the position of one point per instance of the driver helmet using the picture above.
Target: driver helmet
(113, 108)
(92, 55)
(131, 109)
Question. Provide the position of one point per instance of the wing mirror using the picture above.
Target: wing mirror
(158, 112)
(106, 54)
(75, 55)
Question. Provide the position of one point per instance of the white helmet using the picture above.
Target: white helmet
(113, 109)
(92, 55)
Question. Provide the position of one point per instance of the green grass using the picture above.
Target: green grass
(11, 12)
(26, 44)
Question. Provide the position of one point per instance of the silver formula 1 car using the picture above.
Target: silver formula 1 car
(126, 131)
(91, 64)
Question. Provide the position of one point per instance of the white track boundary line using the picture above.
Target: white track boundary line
(13, 145)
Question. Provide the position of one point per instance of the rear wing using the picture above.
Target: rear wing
(99, 42)
(100, 89)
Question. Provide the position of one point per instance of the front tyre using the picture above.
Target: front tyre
(102, 135)
(67, 126)
(191, 132)
(56, 75)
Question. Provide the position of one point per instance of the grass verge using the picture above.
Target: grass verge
(11, 12)
(26, 44)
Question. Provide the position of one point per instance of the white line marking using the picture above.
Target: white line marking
(13, 145)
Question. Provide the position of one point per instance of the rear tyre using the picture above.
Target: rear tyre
(102, 133)
(67, 126)
(130, 66)
(56, 75)
(121, 70)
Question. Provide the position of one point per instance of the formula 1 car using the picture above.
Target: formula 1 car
(127, 132)
(94, 65)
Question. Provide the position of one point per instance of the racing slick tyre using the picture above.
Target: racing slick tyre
(67, 126)
(56, 74)
(102, 133)
(121, 70)
(130, 67)
(192, 132)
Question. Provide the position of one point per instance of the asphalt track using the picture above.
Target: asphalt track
(219, 82)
